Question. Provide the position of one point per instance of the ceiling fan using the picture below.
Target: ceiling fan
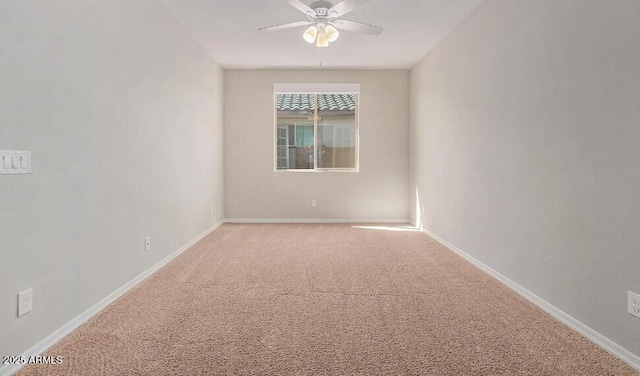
(323, 18)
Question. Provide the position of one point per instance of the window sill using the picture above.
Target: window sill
(340, 170)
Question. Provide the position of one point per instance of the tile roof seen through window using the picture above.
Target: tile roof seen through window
(327, 102)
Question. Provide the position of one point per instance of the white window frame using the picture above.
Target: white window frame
(317, 89)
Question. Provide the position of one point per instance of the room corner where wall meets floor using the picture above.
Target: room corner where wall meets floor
(379, 190)
(331, 299)
(524, 126)
(122, 113)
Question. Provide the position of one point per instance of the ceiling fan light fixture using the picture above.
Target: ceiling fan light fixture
(310, 34)
(322, 40)
(331, 33)
(323, 16)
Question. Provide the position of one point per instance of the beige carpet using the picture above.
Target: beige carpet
(281, 299)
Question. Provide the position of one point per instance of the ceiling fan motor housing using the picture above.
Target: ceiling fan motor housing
(321, 8)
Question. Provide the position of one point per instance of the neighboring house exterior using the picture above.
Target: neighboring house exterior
(336, 131)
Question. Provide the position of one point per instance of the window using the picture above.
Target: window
(316, 131)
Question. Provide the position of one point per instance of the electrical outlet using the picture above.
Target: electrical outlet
(25, 302)
(147, 243)
(634, 304)
(314, 203)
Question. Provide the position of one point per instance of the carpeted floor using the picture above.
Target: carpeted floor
(326, 299)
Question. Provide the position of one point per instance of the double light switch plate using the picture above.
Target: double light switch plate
(15, 162)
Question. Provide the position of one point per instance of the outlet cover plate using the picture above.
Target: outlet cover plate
(25, 302)
(634, 304)
(147, 243)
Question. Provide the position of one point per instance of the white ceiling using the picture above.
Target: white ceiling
(228, 30)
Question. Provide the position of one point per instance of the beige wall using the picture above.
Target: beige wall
(254, 191)
(122, 112)
(525, 134)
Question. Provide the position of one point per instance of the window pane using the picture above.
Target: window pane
(282, 148)
(295, 137)
(337, 130)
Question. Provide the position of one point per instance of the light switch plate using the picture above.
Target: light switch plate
(15, 162)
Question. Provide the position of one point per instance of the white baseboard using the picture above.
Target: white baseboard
(43, 345)
(597, 338)
(312, 220)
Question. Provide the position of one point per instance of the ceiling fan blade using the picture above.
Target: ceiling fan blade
(286, 26)
(345, 7)
(357, 27)
(302, 7)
